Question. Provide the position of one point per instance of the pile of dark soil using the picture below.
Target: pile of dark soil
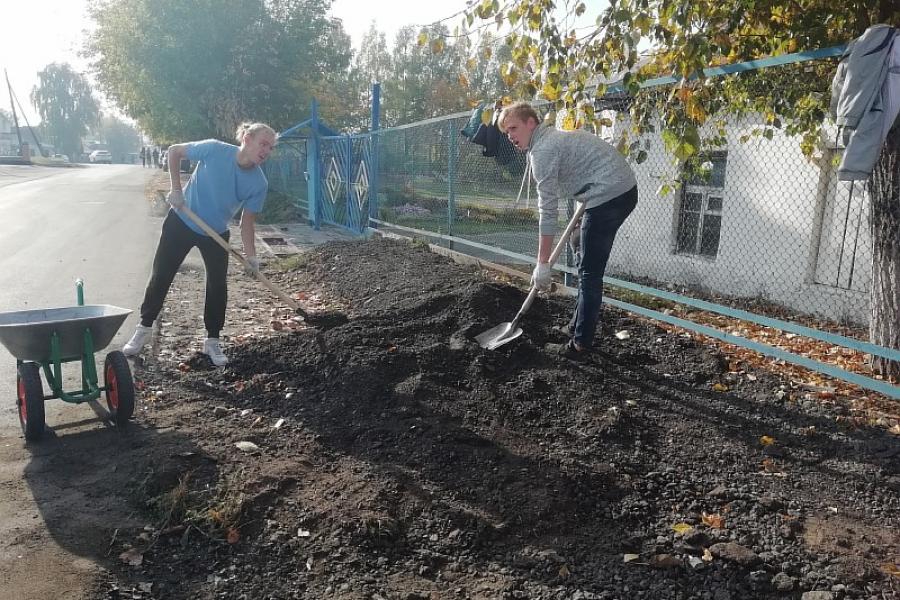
(393, 457)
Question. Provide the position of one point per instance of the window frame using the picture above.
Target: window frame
(705, 191)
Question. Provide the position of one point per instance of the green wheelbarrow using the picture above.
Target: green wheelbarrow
(45, 339)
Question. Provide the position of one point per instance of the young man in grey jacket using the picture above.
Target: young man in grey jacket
(580, 165)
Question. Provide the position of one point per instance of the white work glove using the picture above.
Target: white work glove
(541, 277)
(175, 198)
(253, 265)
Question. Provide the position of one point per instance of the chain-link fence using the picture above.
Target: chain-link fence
(286, 172)
(751, 217)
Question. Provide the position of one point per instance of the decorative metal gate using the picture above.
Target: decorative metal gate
(346, 166)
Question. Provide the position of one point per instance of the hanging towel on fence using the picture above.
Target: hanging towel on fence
(864, 98)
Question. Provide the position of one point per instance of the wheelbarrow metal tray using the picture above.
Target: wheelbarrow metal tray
(27, 333)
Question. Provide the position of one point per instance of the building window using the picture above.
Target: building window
(700, 212)
(843, 242)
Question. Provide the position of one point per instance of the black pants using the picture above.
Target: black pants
(175, 242)
(599, 226)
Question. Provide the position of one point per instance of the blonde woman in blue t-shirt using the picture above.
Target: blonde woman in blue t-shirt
(228, 178)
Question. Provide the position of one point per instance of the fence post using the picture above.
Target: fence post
(373, 153)
(451, 180)
(348, 172)
(312, 170)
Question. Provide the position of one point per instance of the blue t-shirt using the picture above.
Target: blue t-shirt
(219, 186)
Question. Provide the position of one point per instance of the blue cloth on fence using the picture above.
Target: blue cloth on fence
(474, 122)
(493, 141)
(220, 187)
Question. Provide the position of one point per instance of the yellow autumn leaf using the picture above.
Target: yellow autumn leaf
(569, 123)
(437, 46)
(766, 440)
(682, 528)
(720, 387)
(422, 39)
(707, 555)
(486, 116)
(891, 569)
(551, 92)
(463, 80)
(684, 93)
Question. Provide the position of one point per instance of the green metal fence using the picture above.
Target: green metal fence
(752, 221)
(753, 218)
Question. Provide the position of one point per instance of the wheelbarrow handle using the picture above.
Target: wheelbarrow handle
(219, 240)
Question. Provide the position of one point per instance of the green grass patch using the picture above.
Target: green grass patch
(290, 263)
(279, 208)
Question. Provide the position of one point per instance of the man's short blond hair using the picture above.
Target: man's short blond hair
(519, 110)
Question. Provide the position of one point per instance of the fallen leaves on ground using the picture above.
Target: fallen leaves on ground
(714, 521)
(806, 383)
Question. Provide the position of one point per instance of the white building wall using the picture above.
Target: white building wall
(773, 205)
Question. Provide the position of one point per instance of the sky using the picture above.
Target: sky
(34, 35)
(39, 32)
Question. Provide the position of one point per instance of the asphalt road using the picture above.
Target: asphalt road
(58, 225)
(63, 224)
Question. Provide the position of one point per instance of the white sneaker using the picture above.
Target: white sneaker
(137, 341)
(212, 347)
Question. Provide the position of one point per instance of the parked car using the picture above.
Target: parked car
(59, 158)
(100, 156)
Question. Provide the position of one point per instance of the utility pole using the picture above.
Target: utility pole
(13, 105)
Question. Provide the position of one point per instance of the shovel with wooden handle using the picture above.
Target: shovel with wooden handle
(504, 333)
(240, 257)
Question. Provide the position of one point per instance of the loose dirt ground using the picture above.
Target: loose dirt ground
(391, 457)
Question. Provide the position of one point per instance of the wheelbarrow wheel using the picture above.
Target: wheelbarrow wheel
(30, 400)
(119, 387)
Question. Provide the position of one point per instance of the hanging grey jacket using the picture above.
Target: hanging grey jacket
(859, 99)
(565, 162)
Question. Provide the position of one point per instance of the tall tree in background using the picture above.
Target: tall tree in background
(337, 90)
(188, 70)
(682, 37)
(424, 79)
(371, 64)
(482, 66)
(120, 137)
(67, 107)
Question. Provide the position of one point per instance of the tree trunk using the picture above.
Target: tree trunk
(884, 327)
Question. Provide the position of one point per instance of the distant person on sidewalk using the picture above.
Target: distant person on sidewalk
(143, 156)
(228, 178)
(574, 164)
(156, 157)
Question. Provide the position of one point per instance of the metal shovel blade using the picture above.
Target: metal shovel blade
(495, 337)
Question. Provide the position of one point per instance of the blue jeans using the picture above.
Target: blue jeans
(599, 226)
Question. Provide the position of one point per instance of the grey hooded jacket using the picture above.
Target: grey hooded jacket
(565, 162)
(859, 99)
